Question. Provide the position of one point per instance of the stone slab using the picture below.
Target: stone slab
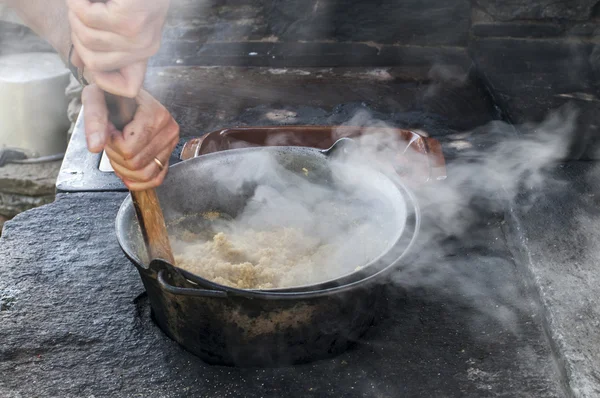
(556, 234)
(530, 78)
(74, 322)
(29, 179)
(13, 204)
(509, 10)
(203, 99)
(311, 54)
(416, 22)
(517, 29)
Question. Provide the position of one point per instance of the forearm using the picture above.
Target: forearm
(47, 18)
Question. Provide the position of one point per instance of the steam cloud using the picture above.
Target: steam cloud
(347, 215)
(358, 223)
(485, 178)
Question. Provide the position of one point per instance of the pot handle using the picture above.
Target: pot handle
(165, 270)
(185, 291)
(341, 147)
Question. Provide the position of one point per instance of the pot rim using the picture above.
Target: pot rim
(339, 284)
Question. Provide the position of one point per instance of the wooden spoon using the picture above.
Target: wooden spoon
(147, 207)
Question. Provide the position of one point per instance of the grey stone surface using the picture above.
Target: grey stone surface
(321, 33)
(529, 78)
(29, 179)
(74, 322)
(508, 10)
(517, 29)
(25, 186)
(415, 22)
(556, 234)
(544, 66)
(12, 204)
(312, 54)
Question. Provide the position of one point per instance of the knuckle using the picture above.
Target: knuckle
(130, 91)
(159, 179)
(132, 27)
(81, 16)
(92, 62)
(145, 44)
(147, 174)
(137, 163)
(174, 133)
(128, 153)
(158, 120)
(85, 56)
(149, 131)
(161, 117)
(84, 36)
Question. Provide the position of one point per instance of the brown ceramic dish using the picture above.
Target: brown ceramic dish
(421, 161)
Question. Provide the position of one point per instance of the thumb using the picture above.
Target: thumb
(95, 115)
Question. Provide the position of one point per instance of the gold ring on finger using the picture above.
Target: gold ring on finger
(159, 164)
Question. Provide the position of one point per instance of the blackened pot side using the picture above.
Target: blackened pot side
(229, 326)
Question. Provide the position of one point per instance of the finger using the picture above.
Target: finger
(106, 61)
(95, 39)
(104, 41)
(95, 116)
(88, 74)
(76, 59)
(147, 174)
(167, 138)
(150, 120)
(93, 15)
(126, 82)
(141, 186)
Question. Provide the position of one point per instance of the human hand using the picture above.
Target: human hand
(153, 134)
(113, 40)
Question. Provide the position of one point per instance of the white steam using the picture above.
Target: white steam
(347, 215)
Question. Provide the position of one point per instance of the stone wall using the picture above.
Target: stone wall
(537, 56)
(414, 33)
(533, 55)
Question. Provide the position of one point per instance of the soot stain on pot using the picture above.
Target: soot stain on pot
(252, 324)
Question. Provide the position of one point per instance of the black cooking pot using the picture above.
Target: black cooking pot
(229, 326)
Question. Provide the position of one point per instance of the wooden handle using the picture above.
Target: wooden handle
(121, 110)
(146, 203)
(152, 224)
